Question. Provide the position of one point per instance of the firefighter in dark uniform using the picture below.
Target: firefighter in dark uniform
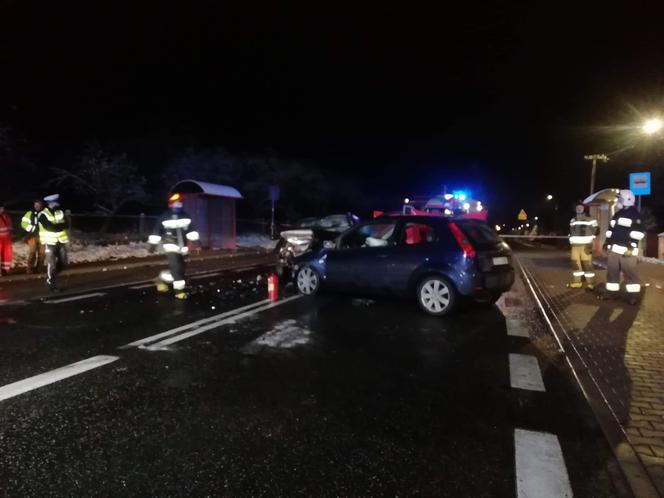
(622, 242)
(173, 230)
(582, 232)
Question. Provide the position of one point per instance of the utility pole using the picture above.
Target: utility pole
(594, 158)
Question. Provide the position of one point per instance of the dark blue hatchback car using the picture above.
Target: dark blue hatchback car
(434, 259)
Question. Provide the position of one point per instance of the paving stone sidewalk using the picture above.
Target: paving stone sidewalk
(622, 345)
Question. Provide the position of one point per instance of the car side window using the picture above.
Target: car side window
(418, 233)
(372, 235)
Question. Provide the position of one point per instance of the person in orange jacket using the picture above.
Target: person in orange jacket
(6, 229)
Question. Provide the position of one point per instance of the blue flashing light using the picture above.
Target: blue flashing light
(461, 195)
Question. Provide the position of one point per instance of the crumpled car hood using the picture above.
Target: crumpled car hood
(298, 237)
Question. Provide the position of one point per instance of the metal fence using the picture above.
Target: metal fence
(117, 228)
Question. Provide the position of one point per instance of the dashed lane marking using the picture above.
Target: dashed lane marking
(525, 373)
(192, 325)
(144, 286)
(75, 298)
(517, 328)
(161, 345)
(540, 466)
(207, 275)
(196, 276)
(41, 380)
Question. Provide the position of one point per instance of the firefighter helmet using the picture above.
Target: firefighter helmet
(626, 198)
(175, 201)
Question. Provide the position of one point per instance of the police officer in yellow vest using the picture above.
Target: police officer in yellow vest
(53, 236)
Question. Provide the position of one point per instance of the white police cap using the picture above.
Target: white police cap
(52, 198)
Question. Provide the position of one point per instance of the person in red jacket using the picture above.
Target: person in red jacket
(6, 229)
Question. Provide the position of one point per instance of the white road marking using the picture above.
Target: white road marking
(525, 373)
(233, 319)
(31, 383)
(517, 328)
(192, 325)
(144, 286)
(75, 298)
(207, 275)
(540, 466)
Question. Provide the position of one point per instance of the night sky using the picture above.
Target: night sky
(503, 98)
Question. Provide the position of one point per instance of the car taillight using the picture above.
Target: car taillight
(464, 243)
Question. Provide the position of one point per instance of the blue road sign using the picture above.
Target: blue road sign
(274, 191)
(639, 183)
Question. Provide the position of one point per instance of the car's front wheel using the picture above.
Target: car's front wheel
(308, 281)
(436, 295)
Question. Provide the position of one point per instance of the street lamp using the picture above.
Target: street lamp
(652, 126)
(594, 158)
(549, 197)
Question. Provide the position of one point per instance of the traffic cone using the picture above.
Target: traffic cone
(273, 287)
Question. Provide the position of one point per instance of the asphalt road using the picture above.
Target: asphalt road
(227, 395)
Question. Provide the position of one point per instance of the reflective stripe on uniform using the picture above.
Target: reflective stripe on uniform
(579, 222)
(635, 234)
(166, 276)
(581, 239)
(613, 223)
(618, 249)
(178, 284)
(625, 222)
(635, 252)
(590, 274)
(578, 273)
(171, 248)
(180, 223)
(174, 248)
(612, 287)
(608, 233)
(193, 236)
(154, 239)
(633, 287)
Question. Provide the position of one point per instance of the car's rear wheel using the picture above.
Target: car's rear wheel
(308, 281)
(436, 295)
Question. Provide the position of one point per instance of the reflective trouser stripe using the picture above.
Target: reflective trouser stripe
(178, 284)
(633, 287)
(578, 273)
(589, 275)
(166, 276)
(612, 287)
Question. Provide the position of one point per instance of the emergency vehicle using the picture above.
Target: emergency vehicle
(457, 204)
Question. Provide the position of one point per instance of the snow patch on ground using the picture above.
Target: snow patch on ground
(285, 335)
(89, 253)
(86, 253)
(653, 261)
(256, 240)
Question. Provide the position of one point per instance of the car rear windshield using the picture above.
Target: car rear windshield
(478, 232)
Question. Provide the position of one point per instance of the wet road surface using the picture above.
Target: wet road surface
(226, 395)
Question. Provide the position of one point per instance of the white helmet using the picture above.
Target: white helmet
(626, 198)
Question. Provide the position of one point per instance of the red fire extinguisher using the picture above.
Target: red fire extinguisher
(273, 287)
